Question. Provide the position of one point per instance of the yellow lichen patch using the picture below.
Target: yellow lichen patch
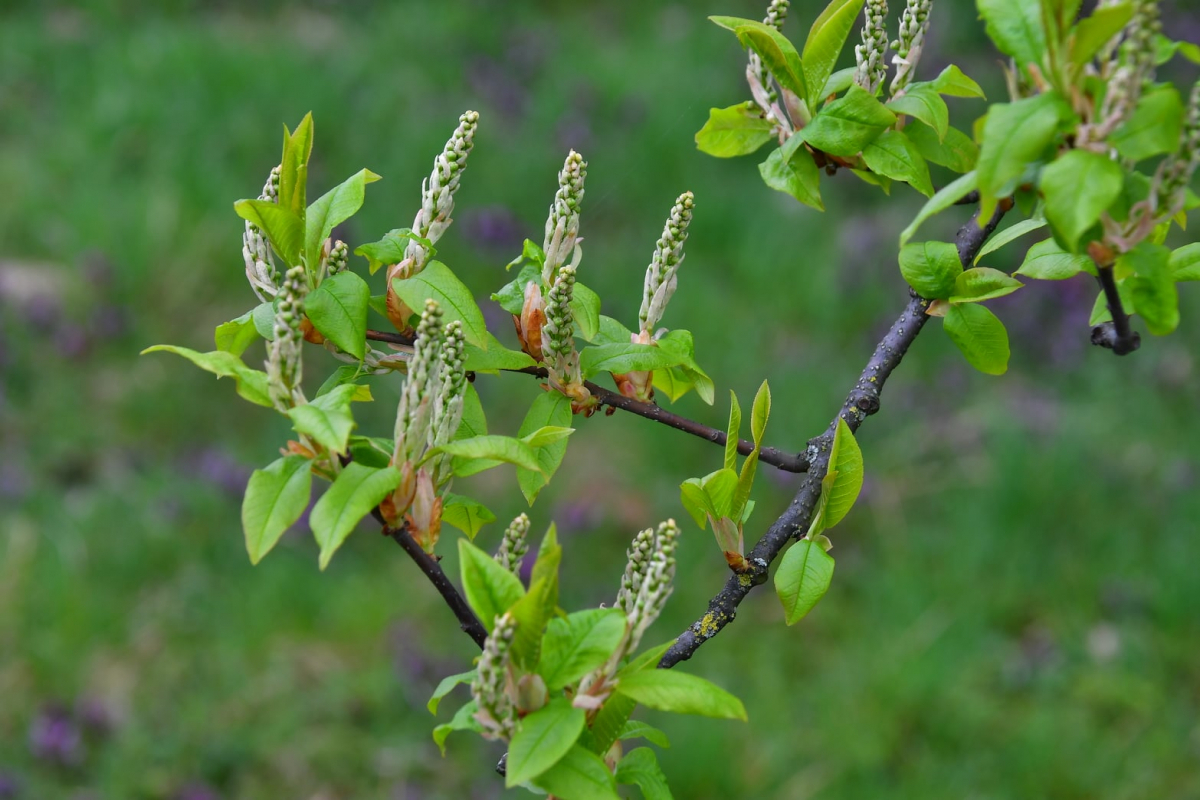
(708, 625)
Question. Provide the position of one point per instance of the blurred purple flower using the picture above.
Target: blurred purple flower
(219, 469)
(71, 341)
(55, 738)
(94, 716)
(108, 321)
(10, 787)
(494, 228)
(42, 312)
(504, 92)
(197, 791)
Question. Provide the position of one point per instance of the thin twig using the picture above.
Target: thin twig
(862, 402)
(1115, 335)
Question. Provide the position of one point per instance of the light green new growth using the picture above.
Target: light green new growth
(514, 545)
(414, 411)
(914, 22)
(668, 255)
(490, 688)
(285, 354)
(437, 193)
(256, 252)
(871, 53)
(757, 73)
(562, 225)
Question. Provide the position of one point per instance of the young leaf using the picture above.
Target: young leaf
(333, 208)
(445, 686)
(464, 720)
(945, 198)
(802, 579)
(720, 487)
(956, 151)
(845, 126)
(545, 567)
(1155, 298)
(760, 413)
(491, 448)
(695, 501)
(327, 419)
(894, 156)
(953, 83)
(1009, 234)
(1016, 28)
(263, 316)
(982, 283)
(734, 131)
(437, 282)
(838, 82)
(1185, 263)
(1094, 32)
(1154, 126)
(1078, 187)
(640, 768)
(390, 249)
(980, 336)
(580, 773)
(474, 423)
(930, 268)
(282, 227)
(236, 335)
(680, 693)
(846, 468)
(355, 491)
(468, 515)
(621, 358)
(777, 53)
(490, 588)
(647, 659)
(544, 737)
(682, 348)
(798, 177)
(251, 383)
(579, 643)
(923, 102)
(824, 44)
(293, 173)
(633, 729)
(733, 431)
(511, 296)
(1046, 261)
(585, 310)
(530, 613)
(338, 309)
(608, 723)
(549, 409)
(1100, 312)
(275, 498)
(741, 495)
(1015, 135)
(496, 357)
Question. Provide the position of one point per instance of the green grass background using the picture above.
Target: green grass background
(1016, 609)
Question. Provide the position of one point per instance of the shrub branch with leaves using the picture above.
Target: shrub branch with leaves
(1088, 149)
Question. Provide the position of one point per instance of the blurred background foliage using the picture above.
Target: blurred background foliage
(1014, 612)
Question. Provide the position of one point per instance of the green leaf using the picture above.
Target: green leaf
(894, 156)
(680, 693)
(1093, 32)
(293, 173)
(846, 468)
(275, 498)
(777, 53)
(464, 720)
(734, 131)
(980, 336)
(468, 515)
(344, 374)
(496, 357)
(953, 83)
(923, 102)
(543, 738)
(333, 208)
(1015, 135)
(370, 451)
(390, 249)
(473, 421)
(640, 768)
(549, 409)
(695, 501)
(1155, 298)
(1046, 261)
(251, 383)
(802, 579)
(511, 296)
(622, 358)
(546, 566)
(945, 198)
(530, 613)
(930, 268)
(613, 332)
(982, 283)
(263, 316)
(956, 152)
(1185, 263)
(237, 334)
(845, 126)
(720, 487)
(680, 345)
(490, 588)
(733, 431)
(647, 659)
(608, 723)
(824, 44)
(579, 775)
(633, 729)
(585, 310)
(438, 283)
(1153, 128)
(838, 82)
(1009, 234)
(445, 686)
(490, 448)
(1078, 187)
(283, 228)
(798, 177)
(355, 491)
(338, 309)
(1016, 28)
(760, 413)
(327, 419)
(579, 643)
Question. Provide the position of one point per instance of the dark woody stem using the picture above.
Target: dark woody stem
(1115, 335)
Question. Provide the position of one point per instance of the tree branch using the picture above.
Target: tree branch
(861, 402)
(1115, 335)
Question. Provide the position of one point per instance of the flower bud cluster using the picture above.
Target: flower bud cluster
(447, 412)
(437, 193)
(284, 355)
(256, 252)
(417, 399)
(757, 73)
(914, 23)
(1134, 66)
(497, 714)
(562, 225)
(870, 55)
(558, 337)
(657, 583)
(1176, 171)
(668, 255)
(339, 258)
(640, 550)
(514, 545)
